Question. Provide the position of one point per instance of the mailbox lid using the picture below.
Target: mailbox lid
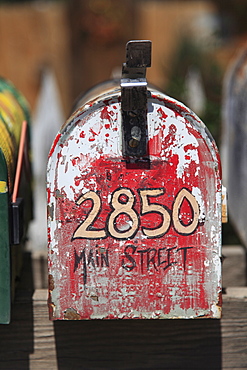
(160, 256)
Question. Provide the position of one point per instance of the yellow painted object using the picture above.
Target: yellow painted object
(9, 149)
(13, 111)
(3, 187)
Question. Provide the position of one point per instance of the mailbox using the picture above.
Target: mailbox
(234, 142)
(14, 190)
(134, 206)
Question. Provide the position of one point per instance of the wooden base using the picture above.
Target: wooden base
(31, 341)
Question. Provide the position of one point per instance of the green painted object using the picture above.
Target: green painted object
(5, 276)
(13, 111)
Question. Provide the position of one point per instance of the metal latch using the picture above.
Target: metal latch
(134, 98)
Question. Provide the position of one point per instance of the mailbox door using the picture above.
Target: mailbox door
(134, 237)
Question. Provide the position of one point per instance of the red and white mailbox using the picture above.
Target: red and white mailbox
(134, 206)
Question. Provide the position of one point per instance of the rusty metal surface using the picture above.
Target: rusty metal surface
(234, 142)
(134, 238)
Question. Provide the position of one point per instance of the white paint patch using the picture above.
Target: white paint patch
(91, 136)
(198, 195)
(177, 141)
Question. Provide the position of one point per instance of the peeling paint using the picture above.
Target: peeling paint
(71, 314)
(50, 282)
(137, 238)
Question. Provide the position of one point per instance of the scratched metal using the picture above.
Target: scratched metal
(134, 239)
(234, 142)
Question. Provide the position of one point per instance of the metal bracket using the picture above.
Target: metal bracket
(134, 98)
(17, 221)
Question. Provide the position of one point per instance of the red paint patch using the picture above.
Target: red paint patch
(54, 145)
(48, 192)
(75, 161)
(177, 114)
(162, 114)
(105, 114)
(48, 234)
(189, 147)
(93, 132)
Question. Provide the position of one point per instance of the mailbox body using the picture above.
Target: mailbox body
(134, 237)
(234, 142)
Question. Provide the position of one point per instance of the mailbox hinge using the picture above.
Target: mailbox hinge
(134, 98)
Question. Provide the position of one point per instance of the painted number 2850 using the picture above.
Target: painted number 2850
(122, 203)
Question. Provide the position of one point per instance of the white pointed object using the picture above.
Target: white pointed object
(47, 120)
(195, 94)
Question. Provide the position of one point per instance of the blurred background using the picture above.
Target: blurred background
(54, 50)
(82, 42)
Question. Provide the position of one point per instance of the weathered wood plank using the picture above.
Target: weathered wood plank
(234, 331)
(31, 341)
